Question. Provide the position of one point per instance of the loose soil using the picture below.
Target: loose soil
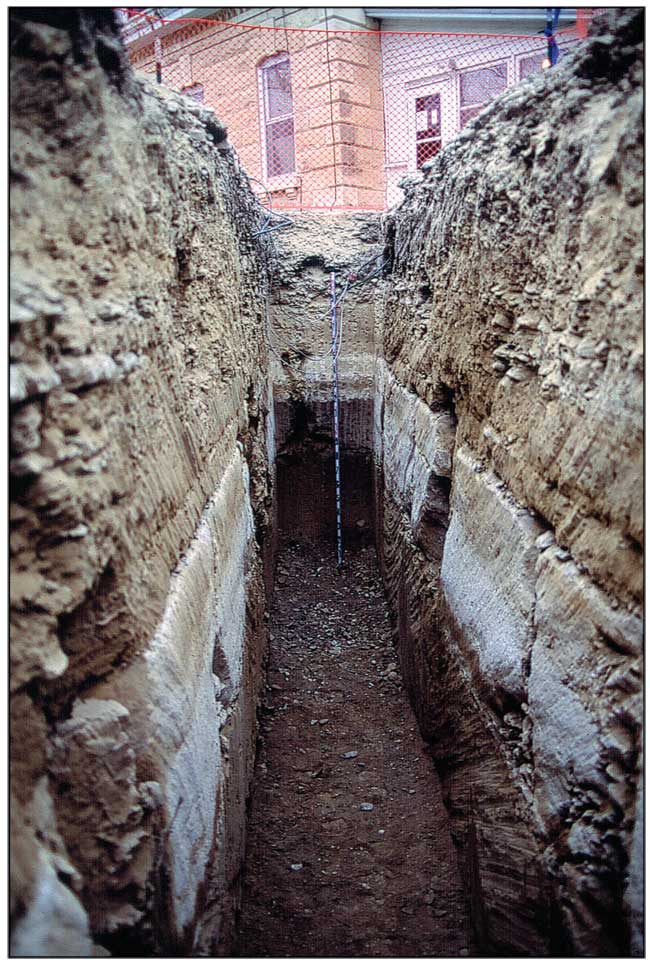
(346, 856)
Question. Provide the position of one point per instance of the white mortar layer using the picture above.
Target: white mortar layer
(355, 371)
(270, 425)
(56, 923)
(565, 736)
(569, 688)
(381, 374)
(206, 607)
(417, 443)
(488, 572)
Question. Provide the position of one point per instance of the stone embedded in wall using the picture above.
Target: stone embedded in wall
(41, 656)
(28, 380)
(103, 811)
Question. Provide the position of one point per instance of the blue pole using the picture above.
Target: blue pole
(552, 20)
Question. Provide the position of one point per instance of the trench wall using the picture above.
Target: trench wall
(305, 255)
(508, 445)
(141, 486)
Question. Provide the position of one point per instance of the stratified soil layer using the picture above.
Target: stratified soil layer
(348, 855)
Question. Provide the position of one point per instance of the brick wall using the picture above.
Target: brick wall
(337, 105)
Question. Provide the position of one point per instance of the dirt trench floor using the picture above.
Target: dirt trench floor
(349, 852)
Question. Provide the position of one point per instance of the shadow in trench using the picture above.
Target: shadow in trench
(349, 850)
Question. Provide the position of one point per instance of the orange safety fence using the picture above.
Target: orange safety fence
(334, 119)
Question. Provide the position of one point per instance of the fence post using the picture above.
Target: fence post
(157, 44)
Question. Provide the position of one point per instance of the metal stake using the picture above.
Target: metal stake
(337, 443)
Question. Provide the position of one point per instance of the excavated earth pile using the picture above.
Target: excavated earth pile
(172, 527)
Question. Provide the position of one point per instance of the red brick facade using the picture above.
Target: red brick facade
(338, 117)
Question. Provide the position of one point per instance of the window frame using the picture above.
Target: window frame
(287, 178)
(506, 62)
(430, 138)
(442, 85)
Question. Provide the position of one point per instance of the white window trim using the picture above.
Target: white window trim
(275, 181)
(441, 85)
(510, 80)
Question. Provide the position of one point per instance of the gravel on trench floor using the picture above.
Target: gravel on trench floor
(349, 851)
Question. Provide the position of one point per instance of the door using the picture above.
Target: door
(430, 121)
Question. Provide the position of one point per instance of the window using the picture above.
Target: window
(530, 65)
(195, 91)
(428, 138)
(478, 87)
(277, 107)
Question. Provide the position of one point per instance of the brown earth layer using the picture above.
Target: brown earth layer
(325, 877)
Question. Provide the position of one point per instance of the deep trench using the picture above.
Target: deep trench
(349, 851)
(450, 742)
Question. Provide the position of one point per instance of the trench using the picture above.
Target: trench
(349, 848)
(220, 743)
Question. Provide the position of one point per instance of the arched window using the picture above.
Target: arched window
(277, 115)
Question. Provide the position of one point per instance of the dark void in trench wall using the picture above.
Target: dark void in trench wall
(306, 491)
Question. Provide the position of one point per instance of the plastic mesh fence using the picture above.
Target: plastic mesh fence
(334, 119)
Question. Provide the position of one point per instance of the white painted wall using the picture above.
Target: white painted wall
(422, 64)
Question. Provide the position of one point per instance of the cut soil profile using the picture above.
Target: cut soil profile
(349, 851)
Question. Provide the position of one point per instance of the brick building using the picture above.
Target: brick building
(330, 108)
